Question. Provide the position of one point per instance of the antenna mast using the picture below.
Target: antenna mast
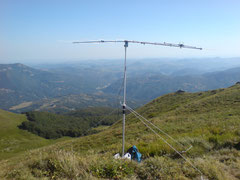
(124, 98)
(126, 42)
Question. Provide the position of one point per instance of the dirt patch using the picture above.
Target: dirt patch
(20, 106)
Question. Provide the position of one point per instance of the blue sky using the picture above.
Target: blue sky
(40, 30)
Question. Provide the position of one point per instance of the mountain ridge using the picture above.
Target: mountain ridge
(23, 87)
(140, 87)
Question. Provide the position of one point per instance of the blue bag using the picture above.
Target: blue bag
(135, 155)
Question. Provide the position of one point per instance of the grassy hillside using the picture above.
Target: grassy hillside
(210, 121)
(14, 140)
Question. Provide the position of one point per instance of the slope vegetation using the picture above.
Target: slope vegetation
(14, 140)
(73, 124)
(209, 121)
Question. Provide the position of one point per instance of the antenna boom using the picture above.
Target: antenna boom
(140, 42)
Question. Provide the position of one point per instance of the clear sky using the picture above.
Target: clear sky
(39, 30)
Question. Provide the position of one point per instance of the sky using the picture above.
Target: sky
(42, 30)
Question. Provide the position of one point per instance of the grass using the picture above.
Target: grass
(210, 121)
(60, 164)
(14, 140)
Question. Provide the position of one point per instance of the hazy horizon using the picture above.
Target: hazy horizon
(69, 61)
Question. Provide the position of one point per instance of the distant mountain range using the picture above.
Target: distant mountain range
(150, 86)
(20, 83)
(72, 102)
(60, 88)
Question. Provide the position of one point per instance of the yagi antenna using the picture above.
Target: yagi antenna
(126, 42)
(180, 45)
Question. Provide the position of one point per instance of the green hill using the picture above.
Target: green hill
(209, 121)
(14, 140)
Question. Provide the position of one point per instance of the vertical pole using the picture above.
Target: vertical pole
(124, 98)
